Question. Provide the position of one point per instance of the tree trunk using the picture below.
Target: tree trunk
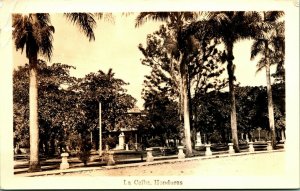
(270, 102)
(34, 164)
(186, 111)
(230, 71)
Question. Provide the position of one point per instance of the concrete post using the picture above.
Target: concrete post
(64, 161)
(247, 138)
(100, 130)
(111, 160)
(231, 150)
(198, 141)
(106, 147)
(282, 135)
(269, 147)
(251, 148)
(181, 155)
(121, 141)
(208, 151)
(127, 148)
(149, 158)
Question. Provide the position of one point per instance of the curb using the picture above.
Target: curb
(119, 166)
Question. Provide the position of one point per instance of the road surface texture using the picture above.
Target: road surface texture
(266, 164)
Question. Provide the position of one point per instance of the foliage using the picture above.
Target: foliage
(68, 107)
(162, 88)
(111, 141)
(154, 142)
(213, 111)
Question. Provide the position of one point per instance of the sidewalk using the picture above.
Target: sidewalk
(165, 165)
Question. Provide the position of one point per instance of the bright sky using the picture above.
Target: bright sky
(116, 47)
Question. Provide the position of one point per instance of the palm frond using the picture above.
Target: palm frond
(85, 22)
(256, 48)
(272, 16)
(151, 16)
(33, 31)
(261, 64)
(105, 16)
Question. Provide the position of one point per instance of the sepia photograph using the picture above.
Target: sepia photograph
(139, 98)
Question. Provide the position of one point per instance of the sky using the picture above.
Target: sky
(116, 47)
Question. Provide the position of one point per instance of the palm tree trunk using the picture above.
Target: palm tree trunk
(270, 102)
(233, 121)
(34, 164)
(186, 110)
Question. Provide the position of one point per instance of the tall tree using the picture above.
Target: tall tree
(230, 27)
(178, 49)
(52, 83)
(34, 32)
(269, 43)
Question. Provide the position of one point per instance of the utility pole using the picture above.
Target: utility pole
(100, 131)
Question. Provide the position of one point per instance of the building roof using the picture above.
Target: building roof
(135, 109)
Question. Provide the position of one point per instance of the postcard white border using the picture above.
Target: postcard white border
(288, 180)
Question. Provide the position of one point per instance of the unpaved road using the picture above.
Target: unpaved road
(267, 164)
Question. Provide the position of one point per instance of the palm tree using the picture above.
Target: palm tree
(176, 20)
(234, 27)
(230, 27)
(269, 42)
(34, 32)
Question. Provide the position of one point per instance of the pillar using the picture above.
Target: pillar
(136, 143)
(282, 135)
(149, 158)
(208, 151)
(198, 141)
(121, 141)
(251, 148)
(269, 147)
(247, 138)
(111, 160)
(181, 155)
(64, 161)
(231, 150)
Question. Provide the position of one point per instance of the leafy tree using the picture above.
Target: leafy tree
(269, 42)
(105, 88)
(179, 58)
(34, 32)
(50, 100)
(163, 116)
(180, 53)
(211, 111)
(251, 107)
(230, 27)
(68, 107)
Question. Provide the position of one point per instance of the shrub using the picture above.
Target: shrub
(215, 137)
(85, 152)
(154, 142)
(111, 142)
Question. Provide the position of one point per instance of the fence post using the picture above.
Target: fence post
(269, 147)
(181, 155)
(231, 150)
(251, 148)
(208, 151)
(111, 160)
(149, 158)
(64, 161)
